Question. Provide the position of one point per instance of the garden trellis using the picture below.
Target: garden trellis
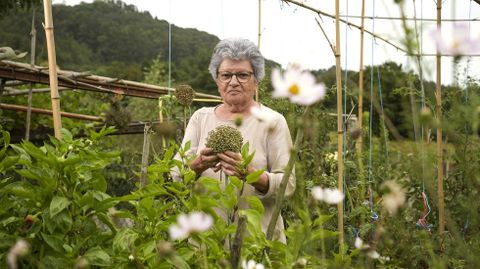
(419, 54)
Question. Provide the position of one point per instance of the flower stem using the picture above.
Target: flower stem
(280, 195)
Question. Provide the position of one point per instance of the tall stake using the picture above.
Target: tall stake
(438, 108)
(145, 155)
(339, 119)
(33, 42)
(52, 68)
(259, 34)
(360, 98)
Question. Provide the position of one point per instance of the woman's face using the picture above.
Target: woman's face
(240, 89)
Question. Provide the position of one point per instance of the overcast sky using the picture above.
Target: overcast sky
(290, 34)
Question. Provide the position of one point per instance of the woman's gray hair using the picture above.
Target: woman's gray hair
(238, 49)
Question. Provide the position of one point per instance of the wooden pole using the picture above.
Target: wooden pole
(438, 108)
(145, 155)
(33, 42)
(339, 119)
(49, 112)
(52, 68)
(259, 35)
(360, 98)
(160, 118)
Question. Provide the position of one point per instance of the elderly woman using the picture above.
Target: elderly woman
(237, 68)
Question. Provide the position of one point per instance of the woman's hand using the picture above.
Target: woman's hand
(206, 159)
(230, 163)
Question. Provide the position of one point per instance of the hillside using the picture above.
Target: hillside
(114, 39)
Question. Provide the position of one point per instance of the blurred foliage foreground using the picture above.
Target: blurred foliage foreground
(55, 211)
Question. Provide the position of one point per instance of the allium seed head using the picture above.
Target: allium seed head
(184, 94)
(224, 138)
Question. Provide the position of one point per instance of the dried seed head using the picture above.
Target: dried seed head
(224, 138)
(165, 248)
(355, 133)
(184, 94)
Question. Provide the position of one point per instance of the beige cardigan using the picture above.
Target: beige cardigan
(272, 145)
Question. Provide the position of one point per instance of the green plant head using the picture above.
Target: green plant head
(184, 94)
(224, 138)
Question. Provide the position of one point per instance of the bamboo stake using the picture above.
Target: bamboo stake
(52, 67)
(438, 108)
(33, 42)
(339, 120)
(360, 98)
(259, 34)
(160, 118)
(145, 155)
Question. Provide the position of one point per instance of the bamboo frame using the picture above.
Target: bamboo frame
(259, 35)
(52, 67)
(438, 108)
(87, 81)
(33, 42)
(145, 155)
(319, 12)
(50, 112)
(359, 145)
(409, 19)
(339, 120)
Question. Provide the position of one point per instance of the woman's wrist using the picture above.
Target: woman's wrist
(262, 184)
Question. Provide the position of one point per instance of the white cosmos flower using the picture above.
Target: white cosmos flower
(298, 85)
(264, 115)
(329, 196)
(395, 198)
(21, 248)
(252, 265)
(359, 244)
(373, 254)
(195, 222)
(458, 43)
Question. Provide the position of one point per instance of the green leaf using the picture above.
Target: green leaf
(63, 221)
(36, 152)
(255, 203)
(9, 220)
(189, 176)
(247, 160)
(55, 241)
(23, 190)
(321, 219)
(211, 184)
(5, 137)
(187, 146)
(149, 190)
(322, 234)
(58, 204)
(42, 176)
(159, 168)
(124, 240)
(245, 149)
(99, 183)
(107, 221)
(236, 182)
(254, 177)
(97, 256)
(8, 162)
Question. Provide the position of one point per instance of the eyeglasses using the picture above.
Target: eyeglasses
(242, 77)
